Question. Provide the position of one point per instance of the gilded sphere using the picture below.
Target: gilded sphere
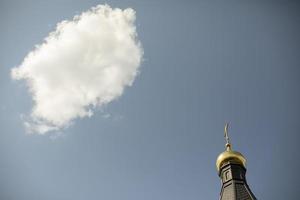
(232, 156)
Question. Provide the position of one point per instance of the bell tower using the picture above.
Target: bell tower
(231, 166)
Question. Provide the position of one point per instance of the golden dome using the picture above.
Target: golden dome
(232, 156)
(228, 154)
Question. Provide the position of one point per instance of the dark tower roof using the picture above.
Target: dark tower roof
(231, 166)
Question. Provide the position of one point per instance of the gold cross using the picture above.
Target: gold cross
(226, 133)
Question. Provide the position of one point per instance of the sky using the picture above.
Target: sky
(148, 102)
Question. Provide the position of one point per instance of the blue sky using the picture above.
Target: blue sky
(205, 63)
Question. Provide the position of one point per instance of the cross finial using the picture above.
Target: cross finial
(228, 145)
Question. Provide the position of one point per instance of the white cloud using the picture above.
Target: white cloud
(85, 63)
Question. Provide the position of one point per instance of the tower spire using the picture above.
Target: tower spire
(231, 166)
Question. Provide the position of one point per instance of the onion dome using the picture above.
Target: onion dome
(229, 155)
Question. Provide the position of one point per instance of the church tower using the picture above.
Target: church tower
(231, 166)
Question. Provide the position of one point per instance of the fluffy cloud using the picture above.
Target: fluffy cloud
(84, 64)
